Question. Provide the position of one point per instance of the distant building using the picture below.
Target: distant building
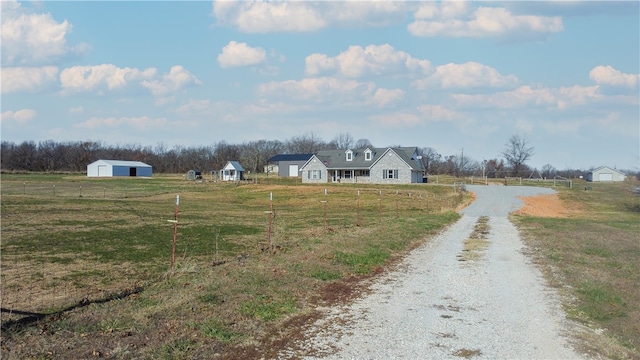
(113, 168)
(287, 164)
(233, 171)
(400, 165)
(605, 174)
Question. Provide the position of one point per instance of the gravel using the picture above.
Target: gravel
(433, 305)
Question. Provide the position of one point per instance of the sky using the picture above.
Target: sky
(455, 76)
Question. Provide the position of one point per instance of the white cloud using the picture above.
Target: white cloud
(240, 54)
(76, 110)
(397, 120)
(525, 96)
(319, 90)
(34, 38)
(607, 75)
(467, 75)
(437, 113)
(263, 17)
(98, 77)
(357, 61)
(20, 117)
(455, 19)
(304, 16)
(27, 79)
(175, 80)
(387, 97)
(139, 123)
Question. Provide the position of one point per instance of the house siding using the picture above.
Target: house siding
(315, 164)
(391, 161)
(283, 167)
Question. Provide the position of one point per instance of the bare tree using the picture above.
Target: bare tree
(430, 159)
(342, 141)
(516, 152)
(494, 168)
(548, 171)
(363, 143)
(305, 144)
(256, 153)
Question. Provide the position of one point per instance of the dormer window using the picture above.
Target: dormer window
(349, 155)
(368, 155)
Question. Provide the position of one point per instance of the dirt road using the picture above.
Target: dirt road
(468, 293)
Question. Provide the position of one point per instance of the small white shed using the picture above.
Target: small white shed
(233, 171)
(112, 168)
(605, 174)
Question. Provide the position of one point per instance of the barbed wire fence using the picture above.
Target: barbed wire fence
(50, 275)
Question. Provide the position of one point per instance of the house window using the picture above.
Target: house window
(347, 174)
(314, 174)
(367, 155)
(390, 173)
(364, 172)
(349, 155)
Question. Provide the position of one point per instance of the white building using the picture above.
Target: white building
(112, 168)
(604, 174)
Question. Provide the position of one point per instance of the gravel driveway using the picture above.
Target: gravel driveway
(433, 305)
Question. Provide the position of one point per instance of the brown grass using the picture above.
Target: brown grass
(247, 301)
(587, 244)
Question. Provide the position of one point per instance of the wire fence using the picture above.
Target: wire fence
(67, 245)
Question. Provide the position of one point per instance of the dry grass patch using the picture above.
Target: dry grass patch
(592, 256)
(477, 242)
(229, 294)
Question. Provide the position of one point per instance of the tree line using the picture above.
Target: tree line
(74, 156)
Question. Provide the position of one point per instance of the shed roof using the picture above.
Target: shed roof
(290, 157)
(606, 168)
(235, 165)
(122, 163)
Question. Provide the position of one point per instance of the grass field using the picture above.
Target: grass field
(592, 255)
(86, 262)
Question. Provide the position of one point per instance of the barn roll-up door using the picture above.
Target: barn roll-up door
(606, 177)
(293, 170)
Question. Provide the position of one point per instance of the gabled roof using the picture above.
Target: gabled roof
(122, 163)
(235, 165)
(607, 168)
(290, 157)
(406, 154)
(336, 159)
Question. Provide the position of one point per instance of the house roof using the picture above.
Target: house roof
(122, 163)
(290, 157)
(606, 168)
(337, 159)
(236, 165)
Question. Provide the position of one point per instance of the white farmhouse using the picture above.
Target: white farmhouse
(400, 165)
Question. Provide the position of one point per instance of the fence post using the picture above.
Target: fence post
(54, 190)
(270, 220)
(325, 208)
(358, 211)
(175, 233)
(24, 188)
(379, 206)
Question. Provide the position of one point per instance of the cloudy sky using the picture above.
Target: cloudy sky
(449, 75)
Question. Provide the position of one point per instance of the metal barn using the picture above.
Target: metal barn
(605, 174)
(288, 165)
(112, 168)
